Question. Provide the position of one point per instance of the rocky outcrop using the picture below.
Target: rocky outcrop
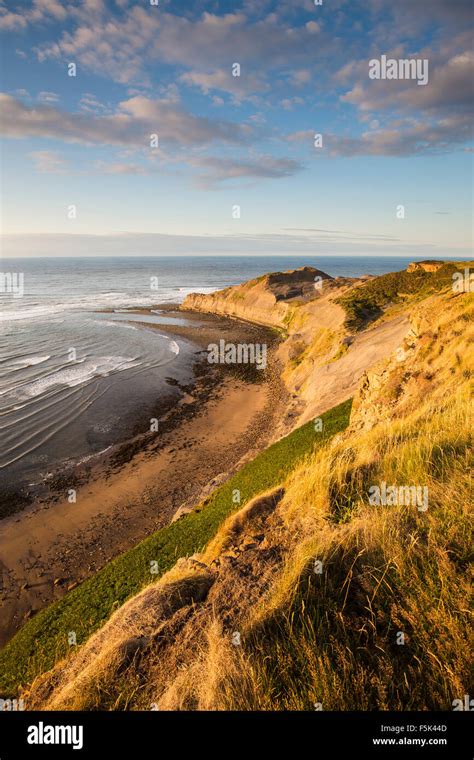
(430, 265)
(269, 300)
(417, 368)
(322, 364)
(329, 382)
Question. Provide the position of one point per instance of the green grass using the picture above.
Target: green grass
(366, 303)
(44, 639)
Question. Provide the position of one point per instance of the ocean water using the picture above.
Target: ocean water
(74, 379)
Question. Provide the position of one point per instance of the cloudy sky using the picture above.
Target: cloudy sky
(225, 140)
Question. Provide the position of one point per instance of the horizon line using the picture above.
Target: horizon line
(245, 255)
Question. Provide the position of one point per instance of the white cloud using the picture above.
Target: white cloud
(132, 124)
(121, 46)
(239, 87)
(91, 104)
(41, 10)
(289, 103)
(212, 170)
(217, 170)
(300, 77)
(47, 97)
(48, 162)
(398, 138)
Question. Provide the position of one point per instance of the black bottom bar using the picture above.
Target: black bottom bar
(374, 734)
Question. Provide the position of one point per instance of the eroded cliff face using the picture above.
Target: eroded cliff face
(269, 300)
(429, 265)
(321, 362)
(439, 338)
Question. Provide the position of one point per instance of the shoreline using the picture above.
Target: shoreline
(138, 485)
(44, 487)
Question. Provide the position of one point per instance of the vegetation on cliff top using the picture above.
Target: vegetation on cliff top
(365, 303)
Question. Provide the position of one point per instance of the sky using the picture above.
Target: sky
(189, 127)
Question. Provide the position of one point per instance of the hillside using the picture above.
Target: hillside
(334, 329)
(307, 593)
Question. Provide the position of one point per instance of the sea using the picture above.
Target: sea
(76, 372)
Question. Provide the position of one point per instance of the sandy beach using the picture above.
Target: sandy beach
(52, 545)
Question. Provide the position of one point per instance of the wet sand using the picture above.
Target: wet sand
(50, 546)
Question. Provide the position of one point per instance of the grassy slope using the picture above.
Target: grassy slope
(365, 303)
(333, 638)
(43, 640)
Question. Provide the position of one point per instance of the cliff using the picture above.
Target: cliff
(429, 265)
(304, 592)
(322, 359)
(268, 300)
(310, 583)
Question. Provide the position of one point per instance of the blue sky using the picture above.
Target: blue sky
(227, 141)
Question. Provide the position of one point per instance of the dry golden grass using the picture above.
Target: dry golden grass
(329, 638)
(86, 680)
(332, 638)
